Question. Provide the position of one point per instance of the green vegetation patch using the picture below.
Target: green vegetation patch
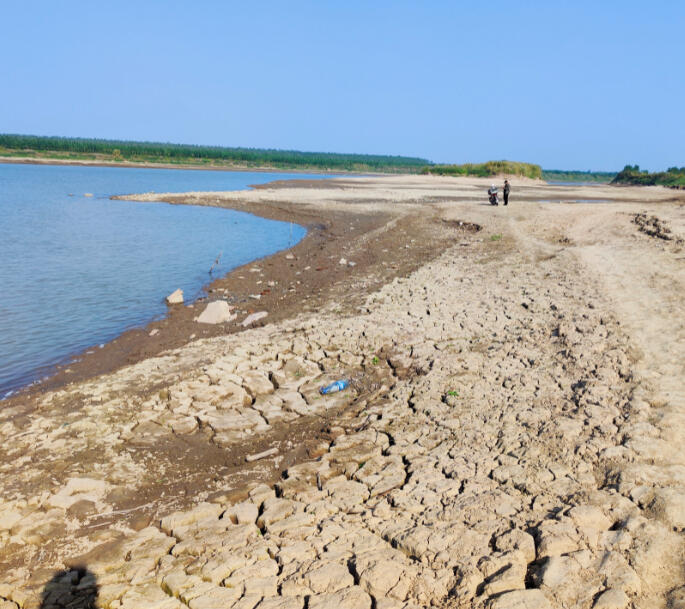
(673, 177)
(560, 175)
(497, 237)
(484, 170)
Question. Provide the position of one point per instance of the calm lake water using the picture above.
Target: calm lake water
(77, 271)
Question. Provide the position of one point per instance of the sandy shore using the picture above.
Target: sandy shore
(107, 162)
(512, 436)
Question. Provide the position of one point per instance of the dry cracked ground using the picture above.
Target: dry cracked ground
(512, 438)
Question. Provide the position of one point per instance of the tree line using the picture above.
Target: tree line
(160, 152)
(673, 177)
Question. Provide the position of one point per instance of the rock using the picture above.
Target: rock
(257, 383)
(669, 505)
(343, 261)
(347, 598)
(618, 573)
(243, 513)
(154, 332)
(589, 516)
(517, 540)
(612, 599)
(521, 599)
(263, 455)
(510, 578)
(281, 602)
(218, 598)
(329, 578)
(175, 297)
(557, 571)
(184, 425)
(275, 509)
(254, 317)
(203, 511)
(8, 518)
(216, 312)
(250, 601)
(260, 493)
(77, 489)
(556, 538)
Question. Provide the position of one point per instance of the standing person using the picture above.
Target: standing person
(507, 188)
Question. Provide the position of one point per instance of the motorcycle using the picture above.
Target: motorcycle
(494, 199)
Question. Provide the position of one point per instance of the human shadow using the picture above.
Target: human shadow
(76, 588)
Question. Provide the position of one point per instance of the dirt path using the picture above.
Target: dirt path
(511, 438)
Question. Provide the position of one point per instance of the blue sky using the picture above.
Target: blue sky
(574, 85)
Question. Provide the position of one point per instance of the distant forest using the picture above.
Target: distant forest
(120, 151)
(673, 177)
(156, 152)
(491, 168)
(560, 175)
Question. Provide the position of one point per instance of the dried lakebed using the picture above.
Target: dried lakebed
(511, 437)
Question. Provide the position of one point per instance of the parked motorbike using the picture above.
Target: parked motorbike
(494, 198)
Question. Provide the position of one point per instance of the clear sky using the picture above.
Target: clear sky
(567, 84)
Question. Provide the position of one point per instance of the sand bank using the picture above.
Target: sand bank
(513, 433)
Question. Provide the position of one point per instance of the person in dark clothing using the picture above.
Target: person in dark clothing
(507, 188)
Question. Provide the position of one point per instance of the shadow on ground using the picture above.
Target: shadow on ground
(75, 588)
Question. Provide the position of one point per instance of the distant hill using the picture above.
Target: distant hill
(673, 177)
(491, 168)
(70, 148)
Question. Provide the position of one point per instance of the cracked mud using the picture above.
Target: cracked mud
(512, 437)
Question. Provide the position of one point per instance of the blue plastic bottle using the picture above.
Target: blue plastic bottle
(334, 387)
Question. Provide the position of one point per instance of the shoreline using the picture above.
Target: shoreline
(135, 344)
(516, 394)
(149, 165)
(176, 327)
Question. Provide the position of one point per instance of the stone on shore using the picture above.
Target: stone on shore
(176, 297)
(252, 318)
(216, 312)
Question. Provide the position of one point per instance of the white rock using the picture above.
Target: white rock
(347, 598)
(175, 297)
(254, 317)
(216, 312)
(521, 599)
(262, 455)
(343, 261)
(77, 489)
(612, 599)
(669, 504)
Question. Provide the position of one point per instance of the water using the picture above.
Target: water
(77, 271)
(574, 201)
